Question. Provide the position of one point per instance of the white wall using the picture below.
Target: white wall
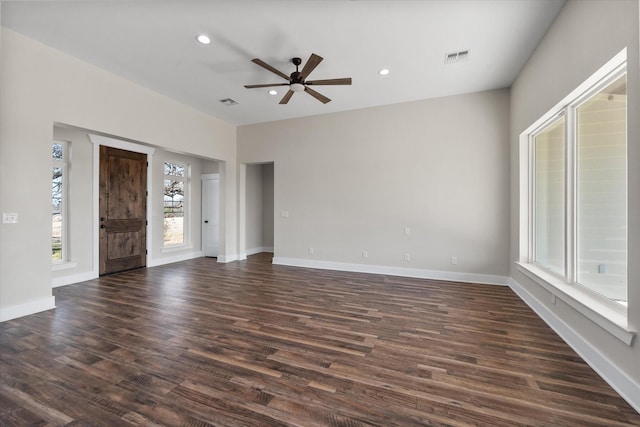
(41, 86)
(352, 181)
(585, 35)
(267, 206)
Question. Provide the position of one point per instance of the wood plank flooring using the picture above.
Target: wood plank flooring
(199, 343)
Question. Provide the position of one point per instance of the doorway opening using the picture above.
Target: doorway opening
(259, 208)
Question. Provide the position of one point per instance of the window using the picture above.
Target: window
(549, 196)
(176, 187)
(578, 190)
(601, 191)
(59, 190)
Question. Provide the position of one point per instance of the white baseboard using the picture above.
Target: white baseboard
(228, 258)
(15, 311)
(259, 250)
(395, 271)
(618, 380)
(175, 258)
(73, 278)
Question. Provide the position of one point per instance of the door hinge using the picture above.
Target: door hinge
(146, 193)
(146, 222)
(146, 252)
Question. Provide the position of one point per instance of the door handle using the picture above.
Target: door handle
(103, 226)
(206, 222)
(101, 218)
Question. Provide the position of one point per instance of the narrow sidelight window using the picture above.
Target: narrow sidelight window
(175, 203)
(59, 190)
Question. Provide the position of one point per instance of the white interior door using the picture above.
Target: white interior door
(210, 214)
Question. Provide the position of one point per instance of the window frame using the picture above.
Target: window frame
(64, 205)
(186, 203)
(609, 314)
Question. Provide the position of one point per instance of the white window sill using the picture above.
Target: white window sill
(176, 248)
(609, 315)
(63, 265)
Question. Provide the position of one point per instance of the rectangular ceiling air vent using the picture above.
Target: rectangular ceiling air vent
(461, 56)
(229, 102)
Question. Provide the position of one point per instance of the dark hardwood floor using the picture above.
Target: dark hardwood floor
(199, 343)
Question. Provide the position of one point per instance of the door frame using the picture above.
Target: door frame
(97, 141)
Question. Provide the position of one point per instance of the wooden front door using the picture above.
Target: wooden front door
(123, 210)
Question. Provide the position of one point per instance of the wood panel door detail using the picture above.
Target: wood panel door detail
(123, 210)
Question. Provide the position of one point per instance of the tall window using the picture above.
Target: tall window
(59, 184)
(579, 200)
(601, 191)
(549, 196)
(176, 186)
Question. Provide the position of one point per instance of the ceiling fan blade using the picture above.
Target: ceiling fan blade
(311, 65)
(345, 81)
(287, 96)
(270, 68)
(320, 97)
(266, 85)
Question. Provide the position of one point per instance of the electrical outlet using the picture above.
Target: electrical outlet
(310, 251)
(365, 254)
(407, 231)
(454, 260)
(407, 257)
(284, 214)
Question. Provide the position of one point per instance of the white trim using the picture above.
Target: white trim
(73, 278)
(176, 248)
(121, 144)
(619, 60)
(610, 316)
(175, 258)
(97, 141)
(209, 176)
(20, 310)
(259, 250)
(228, 258)
(606, 368)
(395, 271)
(63, 265)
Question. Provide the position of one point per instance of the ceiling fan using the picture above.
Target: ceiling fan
(297, 80)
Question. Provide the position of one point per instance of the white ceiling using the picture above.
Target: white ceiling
(153, 43)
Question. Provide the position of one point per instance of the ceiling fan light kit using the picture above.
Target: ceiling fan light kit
(297, 81)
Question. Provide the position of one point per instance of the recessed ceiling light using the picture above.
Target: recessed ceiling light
(383, 72)
(203, 38)
(273, 92)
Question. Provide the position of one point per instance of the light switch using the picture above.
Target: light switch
(9, 218)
